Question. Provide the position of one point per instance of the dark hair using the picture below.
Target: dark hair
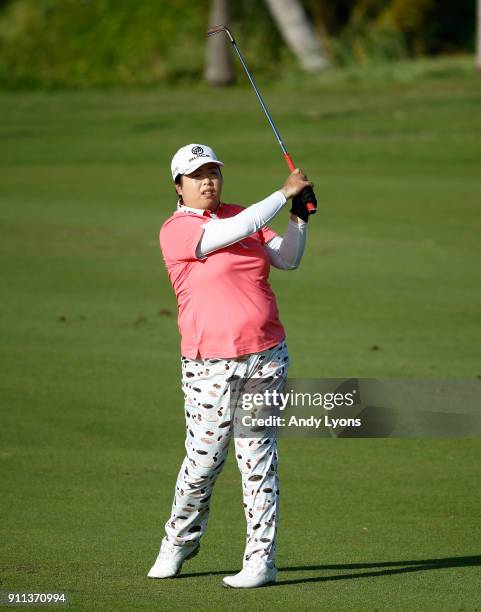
(178, 181)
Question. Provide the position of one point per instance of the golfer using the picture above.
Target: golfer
(218, 258)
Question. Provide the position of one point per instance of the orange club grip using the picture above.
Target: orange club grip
(310, 207)
(289, 161)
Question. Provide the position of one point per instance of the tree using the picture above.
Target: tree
(298, 33)
(219, 69)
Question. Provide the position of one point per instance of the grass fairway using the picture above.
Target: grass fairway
(92, 421)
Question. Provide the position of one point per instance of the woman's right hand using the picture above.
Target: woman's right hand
(295, 183)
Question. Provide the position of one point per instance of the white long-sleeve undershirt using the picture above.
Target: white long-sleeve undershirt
(285, 252)
(220, 233)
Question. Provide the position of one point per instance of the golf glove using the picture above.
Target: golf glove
(299, 203)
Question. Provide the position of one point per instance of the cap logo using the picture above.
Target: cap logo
(197, 150)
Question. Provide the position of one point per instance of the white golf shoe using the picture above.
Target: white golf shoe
(256, 573)
(170, 559)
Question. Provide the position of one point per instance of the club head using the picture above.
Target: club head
(220, 28)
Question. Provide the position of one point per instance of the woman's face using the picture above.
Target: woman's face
(202, 188)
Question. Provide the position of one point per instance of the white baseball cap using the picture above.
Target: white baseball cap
(192, 156)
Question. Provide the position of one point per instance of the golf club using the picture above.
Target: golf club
(222, 28)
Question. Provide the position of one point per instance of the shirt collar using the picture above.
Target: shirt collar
(198, 211)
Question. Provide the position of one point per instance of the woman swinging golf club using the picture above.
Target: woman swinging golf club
(218, 258)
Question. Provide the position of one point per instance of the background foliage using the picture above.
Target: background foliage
(79, 43)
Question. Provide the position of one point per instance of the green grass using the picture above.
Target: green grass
(92, 423)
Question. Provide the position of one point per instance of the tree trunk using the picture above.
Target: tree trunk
(219, 69)
(298, 33)
(478, 38)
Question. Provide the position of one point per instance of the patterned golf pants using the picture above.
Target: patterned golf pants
(213, 416)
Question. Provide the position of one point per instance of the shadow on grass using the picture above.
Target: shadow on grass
(388, 568)
(381, 568)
